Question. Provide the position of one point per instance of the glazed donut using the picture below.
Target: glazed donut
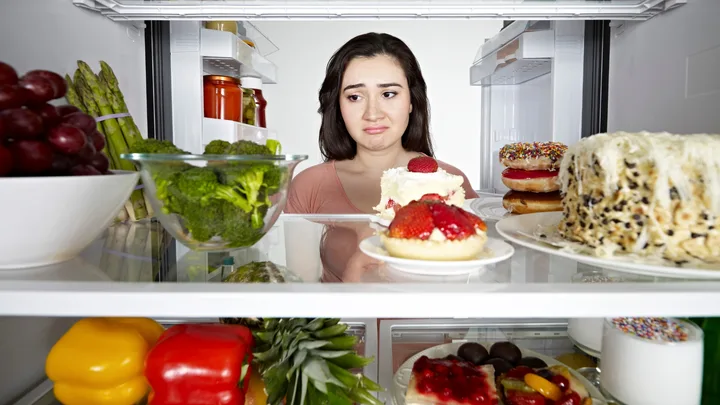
(532, 156)
(518, 202)
(536, 181)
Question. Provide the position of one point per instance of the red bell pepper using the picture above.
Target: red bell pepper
(200, 364)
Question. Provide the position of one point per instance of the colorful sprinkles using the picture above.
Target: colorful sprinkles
(660, 329)
(526, 150)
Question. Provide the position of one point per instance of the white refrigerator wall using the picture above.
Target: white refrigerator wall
(445, 50)
(665, 72)
(53, 35)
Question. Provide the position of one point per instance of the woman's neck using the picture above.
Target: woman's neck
(382, 160)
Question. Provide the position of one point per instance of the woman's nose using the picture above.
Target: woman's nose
(373, 110)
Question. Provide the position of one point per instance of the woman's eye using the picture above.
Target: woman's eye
(353, 97)
(389, 94)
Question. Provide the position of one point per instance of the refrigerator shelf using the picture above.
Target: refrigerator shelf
(232, 131)
(224, 53)
(365, 329)
(123, 10)
(105, 282)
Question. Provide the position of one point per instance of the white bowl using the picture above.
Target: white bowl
(46, 220)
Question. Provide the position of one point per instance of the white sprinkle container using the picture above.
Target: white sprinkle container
(641, 371)
(587, 334)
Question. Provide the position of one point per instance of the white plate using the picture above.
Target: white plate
(401, 379)
(521, 229)
(489, 208)
(496, 250)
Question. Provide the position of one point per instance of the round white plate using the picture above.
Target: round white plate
(489, 208)
(520, 229)
(401, 379)
(496, 250)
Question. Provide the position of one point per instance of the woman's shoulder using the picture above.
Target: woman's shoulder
(450, 168)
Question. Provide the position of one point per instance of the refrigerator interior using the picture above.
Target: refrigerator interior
(663, 76)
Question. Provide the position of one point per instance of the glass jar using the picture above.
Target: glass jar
(254, 109)
(222, 97)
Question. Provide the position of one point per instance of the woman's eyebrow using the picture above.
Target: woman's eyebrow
(381, 85)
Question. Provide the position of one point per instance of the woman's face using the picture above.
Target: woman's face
(375, 102)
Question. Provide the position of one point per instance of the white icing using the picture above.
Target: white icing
(667, 152)
(402, 186)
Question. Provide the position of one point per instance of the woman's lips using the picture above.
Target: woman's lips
(375, 130)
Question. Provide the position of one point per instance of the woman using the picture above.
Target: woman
(375, 116)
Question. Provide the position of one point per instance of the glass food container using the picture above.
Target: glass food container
(223, 97)
(254, 103)
(228, 26)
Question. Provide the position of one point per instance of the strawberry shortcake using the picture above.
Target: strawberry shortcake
(431, 229)
(422, 176)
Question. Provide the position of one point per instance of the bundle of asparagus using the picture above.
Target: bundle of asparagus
(100, 96)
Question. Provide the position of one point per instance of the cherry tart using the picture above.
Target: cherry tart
(547, 386)
(449, 382)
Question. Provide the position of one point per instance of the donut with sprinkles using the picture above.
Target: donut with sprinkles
(532, 155)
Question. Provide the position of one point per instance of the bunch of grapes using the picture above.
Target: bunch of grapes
(39, 139)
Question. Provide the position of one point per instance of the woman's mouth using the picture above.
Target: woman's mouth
(375, 130)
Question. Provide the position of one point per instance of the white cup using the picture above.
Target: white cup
(642, 371)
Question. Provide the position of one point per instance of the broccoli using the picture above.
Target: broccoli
(217, 147)
(156, 146)
(225, 199)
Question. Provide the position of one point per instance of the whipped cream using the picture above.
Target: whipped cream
(402, 186)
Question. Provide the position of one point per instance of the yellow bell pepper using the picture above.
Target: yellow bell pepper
(100, 361)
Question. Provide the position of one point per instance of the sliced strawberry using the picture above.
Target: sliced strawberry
(413, 221)
(524, 398)
(422, 164)
(475, 220)
(450, 222)
(431, 197)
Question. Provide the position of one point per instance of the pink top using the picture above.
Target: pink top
(318, 190)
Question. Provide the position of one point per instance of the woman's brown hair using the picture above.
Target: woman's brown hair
(335, 141)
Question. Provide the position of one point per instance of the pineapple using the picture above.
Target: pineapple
(307, 361)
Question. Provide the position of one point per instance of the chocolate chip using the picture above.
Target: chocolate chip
(681, 262)
(670, 232)
(542, 235)
(636, 217)
(607, 209)
(617, 221)
(591, 226)
(640, 223)
(636, 174)
(696, 235)
(646, 245)
(674, 193)
(586, 200)
(630, 165)
(711, 227)
(627, 225)
(645, 186)
(570, 169)
(705, 216)
(633, 185)
(618, 207)
(645, 201)
(605, 221)
(582, 224)
(602, 238)
(659, 244)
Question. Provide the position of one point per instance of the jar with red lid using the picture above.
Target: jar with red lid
(254, 110)
(222, 97)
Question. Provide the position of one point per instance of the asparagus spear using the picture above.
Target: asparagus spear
(113, 133)
(125, 123)
(108, 76)
(72, 97)
(94, 111)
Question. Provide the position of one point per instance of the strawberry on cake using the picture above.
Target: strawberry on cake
(430, 229)
(422, 176)
(448, 382)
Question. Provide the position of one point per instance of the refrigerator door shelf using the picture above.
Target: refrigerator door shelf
(524, 58)
(282, 10)
(226, 54)
(232, 131)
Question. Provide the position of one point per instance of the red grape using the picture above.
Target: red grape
(100, 162)
(57, 81)
(6, 161)
(68, 109)
(87, 152)
(84, 170)
(22, 123)
(8, 75)
(12, 96)
(67, 139)
(62, 164)
(31, 157)
(3, 130)
(82, 121)
(41, 89)
(98, 140)
(48, 113)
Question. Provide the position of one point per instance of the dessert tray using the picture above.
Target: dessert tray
(539, 232)
(496, 250)
(402, 375)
